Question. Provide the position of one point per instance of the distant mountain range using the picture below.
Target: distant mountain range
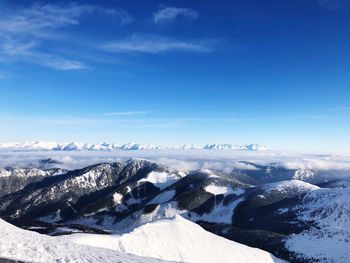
(77, 146)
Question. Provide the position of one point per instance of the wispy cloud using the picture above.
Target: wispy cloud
(27, 52)
(331, 4)
(312, 116)
(122, 119)
(40, 19)
(126, 113)
(154, 44)
(340, 108)
(168, 14)
(5, 75)
(24, 32)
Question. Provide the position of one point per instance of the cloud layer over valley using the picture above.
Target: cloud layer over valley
(224, 161)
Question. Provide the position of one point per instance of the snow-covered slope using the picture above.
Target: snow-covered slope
(176, 239)
(77, 146)
(338, 183)
(304, 174)
(31, 172)
(312, 223)
(12, 180)
(27, 246)
(123, 197)
(328, 211)
(291, 187)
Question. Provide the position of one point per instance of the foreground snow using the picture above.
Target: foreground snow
(23, 245)
(176, 239)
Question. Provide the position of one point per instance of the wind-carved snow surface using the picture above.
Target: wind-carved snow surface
(176, 239)
(28, 246)
(329, 239)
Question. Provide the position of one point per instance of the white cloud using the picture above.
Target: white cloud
(222, 161)
(27, 52)
(183, 165)
(57, 62)
(153, 44)
(40, 19)
(168, 14)
(25, 32)
(318, 163)
(5, 75)
(127, 113)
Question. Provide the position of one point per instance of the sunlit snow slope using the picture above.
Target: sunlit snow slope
(27, 246)
(176, 239)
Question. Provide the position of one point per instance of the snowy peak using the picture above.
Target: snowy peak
(243, 147)
(78, 146)
(135, 146)
(30, 145)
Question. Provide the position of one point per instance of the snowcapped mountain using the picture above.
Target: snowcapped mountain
(244, 147)
(327, 211)
(123, 196)
(131, 199)
(135, 146)
(104, 146)
(77, 146)
(30, 172)
(12, 180)
(30, 145)
(275, 172)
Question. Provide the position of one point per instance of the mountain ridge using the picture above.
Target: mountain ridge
(78, 146)
(276, 214)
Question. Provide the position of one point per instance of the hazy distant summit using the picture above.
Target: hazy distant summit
(243, 147)
(78, 146)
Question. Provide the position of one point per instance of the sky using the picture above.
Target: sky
(174, 72)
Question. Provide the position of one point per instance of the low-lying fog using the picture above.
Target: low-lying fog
(220, 160)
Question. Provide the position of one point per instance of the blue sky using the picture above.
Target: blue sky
(169, 72)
